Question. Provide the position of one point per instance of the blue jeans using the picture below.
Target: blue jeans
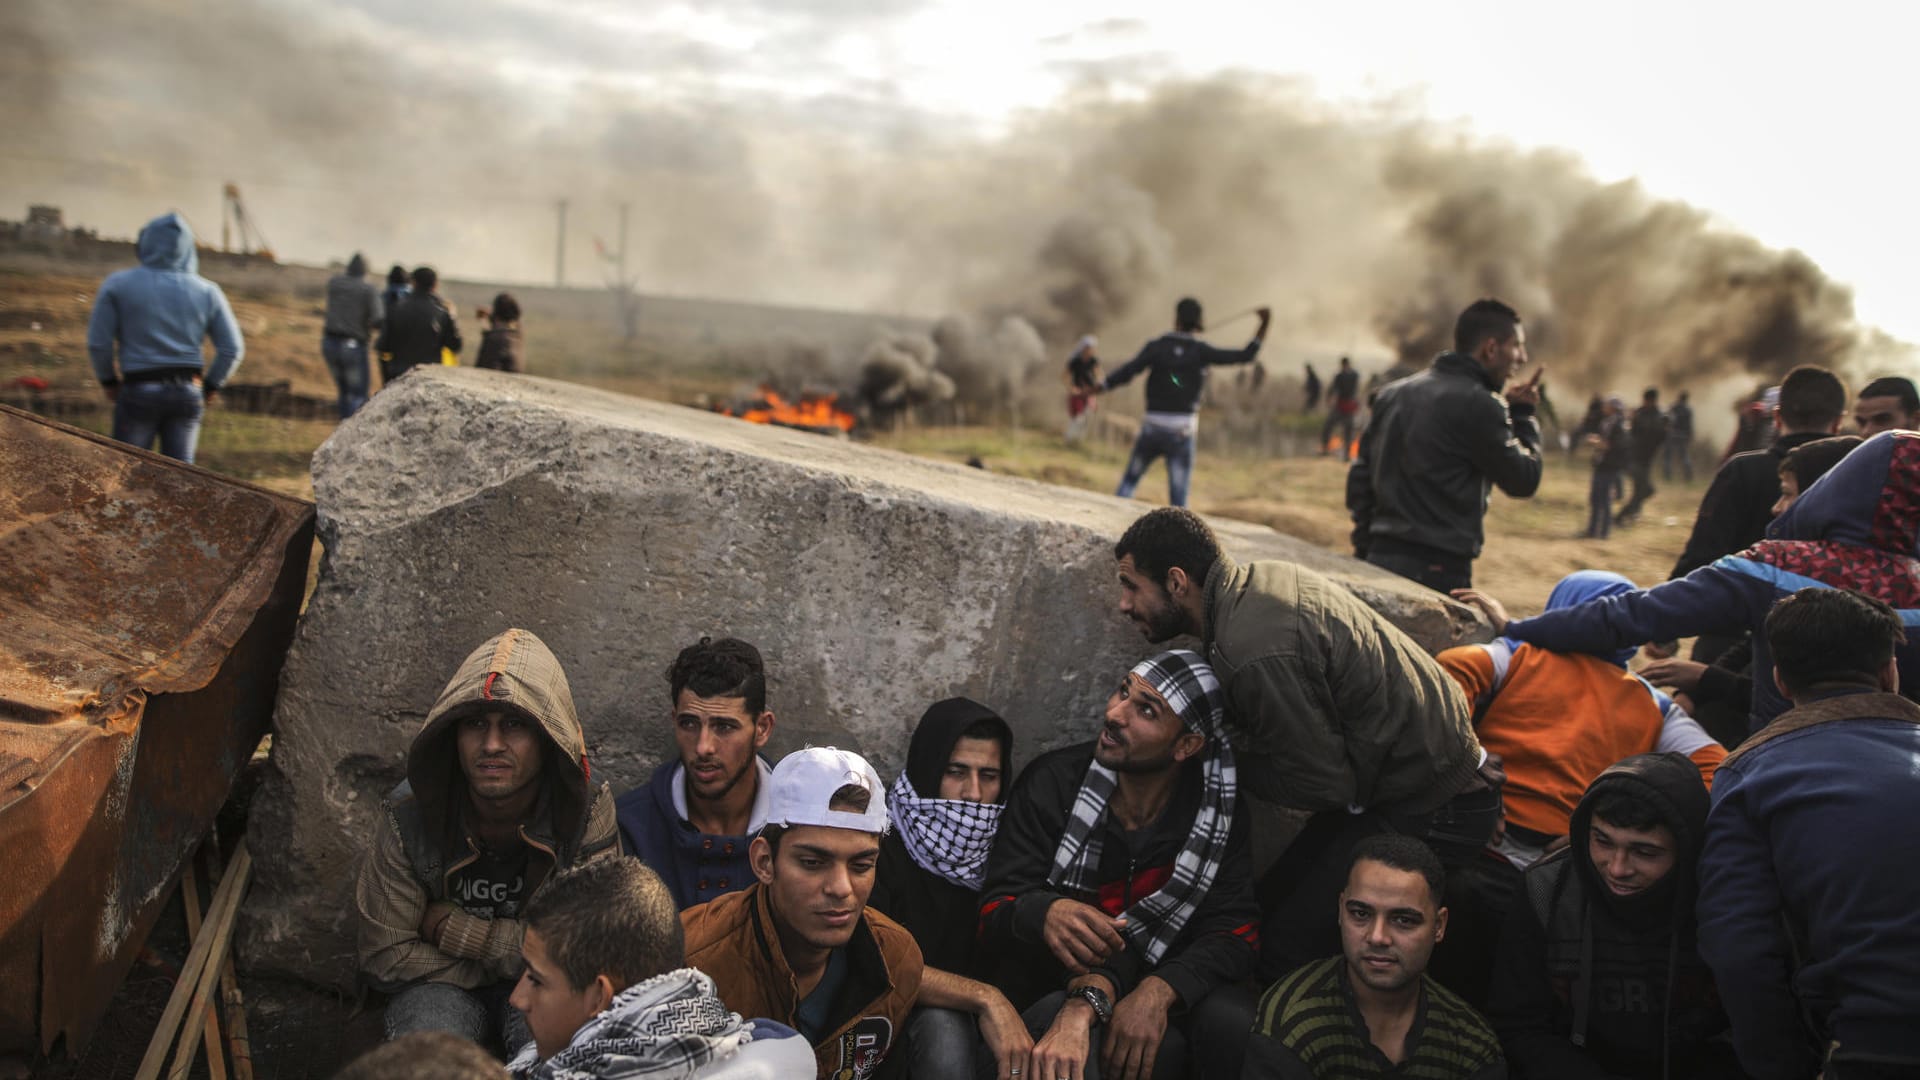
(1156, 442)
(169, 410)
(477, 1015)
(1600, 495)
(945, 1044)
(347, 360)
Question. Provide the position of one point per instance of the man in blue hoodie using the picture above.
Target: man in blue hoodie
(1857, 527)
(157, 314)
(1807, 884)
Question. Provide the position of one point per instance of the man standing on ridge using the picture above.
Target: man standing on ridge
(1177, 364)
(354, 311)
(1437, 445)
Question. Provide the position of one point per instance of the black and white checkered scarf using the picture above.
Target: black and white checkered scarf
(672, 1025)
(1187, 682)
(947, 837)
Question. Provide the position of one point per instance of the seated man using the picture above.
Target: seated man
(694, 820)
(929, 874)
(1807, 883)
(1597, 975)
(424, 1055)
(495, 801)
(800, 944)
(608, 994)
(1118, 895)
(1330, 708)
(1373, 1011)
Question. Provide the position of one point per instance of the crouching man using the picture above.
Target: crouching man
(608, 993)
(497, 798)
(1373, 1011)
(800, 944)
(1118, 898)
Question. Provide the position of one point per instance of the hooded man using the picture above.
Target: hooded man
(1807, 884)
(800, 945)
(1118, 900)
(418, 329)
(608, 993)
(1597, 972)
(1857, 527)
(354, 312)
(156, 315)
(497, 798)
(961, 757)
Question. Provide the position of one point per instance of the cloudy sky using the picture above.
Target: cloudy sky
(1771, 117)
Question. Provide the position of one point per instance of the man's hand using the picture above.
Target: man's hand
(1527, 393)
(1081, 935)
(1495, 612)
(433, 919)
(1682, 675)
(1006, 1037)
(1061, 1054)
(1133, 1038)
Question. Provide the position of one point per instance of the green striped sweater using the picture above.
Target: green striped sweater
(1308, 1026)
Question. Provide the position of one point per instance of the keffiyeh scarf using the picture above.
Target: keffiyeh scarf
(672, 1025)
(947, 837)
(1154, 921)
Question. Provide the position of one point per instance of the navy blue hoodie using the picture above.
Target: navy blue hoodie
(1857, 527)
(696, 866)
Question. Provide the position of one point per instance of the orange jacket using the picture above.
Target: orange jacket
(1558, 720)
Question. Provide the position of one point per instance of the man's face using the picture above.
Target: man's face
(818, 882)
(973, 771)
(1142, 733)
(554, 1010)
(1146, 602)
(1877, 414)
(500, 753)
(717, 739)
(1503, 358)
(1389, 924)
(1630, 861)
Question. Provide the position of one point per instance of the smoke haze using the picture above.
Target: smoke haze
(445, 137)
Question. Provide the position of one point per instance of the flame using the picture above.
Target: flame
(808, 412)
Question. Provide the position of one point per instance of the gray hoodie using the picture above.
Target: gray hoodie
(159, 312)
(353, 303)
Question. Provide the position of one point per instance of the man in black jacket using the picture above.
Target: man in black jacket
(1176, 364)
(1118, 898)
(946, 807)
(1648, 434)
(1438, 443)
(1597, 975)
(417, 328)
(1739, 503)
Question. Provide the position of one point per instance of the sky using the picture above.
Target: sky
(1772, 117)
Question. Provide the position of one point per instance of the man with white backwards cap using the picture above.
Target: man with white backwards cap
(800, 945)
(1118, 899)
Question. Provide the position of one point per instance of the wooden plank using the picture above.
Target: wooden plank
(190, 899)
(226, 902)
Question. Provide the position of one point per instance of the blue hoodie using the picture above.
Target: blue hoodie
(1857, 527)
(159, 311)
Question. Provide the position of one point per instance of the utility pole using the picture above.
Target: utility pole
(560, 249)
(629, 303)
(623, 246)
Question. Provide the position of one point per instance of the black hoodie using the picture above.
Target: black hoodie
(942, 916)
(1588, 985)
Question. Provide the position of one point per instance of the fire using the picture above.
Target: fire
(809, 412)
(1336, 445)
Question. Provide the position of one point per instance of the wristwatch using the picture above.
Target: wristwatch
(1096, 997)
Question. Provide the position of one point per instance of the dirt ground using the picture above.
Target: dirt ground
(299, 1032)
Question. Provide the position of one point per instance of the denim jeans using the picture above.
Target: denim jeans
(168, 409)
(478, 1015)
(1678, 447)
(1209, 1039)
(945, 1044)
(1154, 442)
(347, 360)
(1600, 502)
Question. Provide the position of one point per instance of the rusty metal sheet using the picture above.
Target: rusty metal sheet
(145, 611)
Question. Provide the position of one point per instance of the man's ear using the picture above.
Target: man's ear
(762, 729)
(1188, 744)
(1440, 926)
(1781, 684)
(1178, 582)
(760, 857)
(1890, 675)
(600, 994)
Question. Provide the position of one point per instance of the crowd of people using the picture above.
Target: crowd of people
(1517, 858)
(145, 332)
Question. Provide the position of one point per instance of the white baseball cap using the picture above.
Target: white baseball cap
(804, 782)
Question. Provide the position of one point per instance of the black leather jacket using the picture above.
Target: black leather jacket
(1435, 448)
